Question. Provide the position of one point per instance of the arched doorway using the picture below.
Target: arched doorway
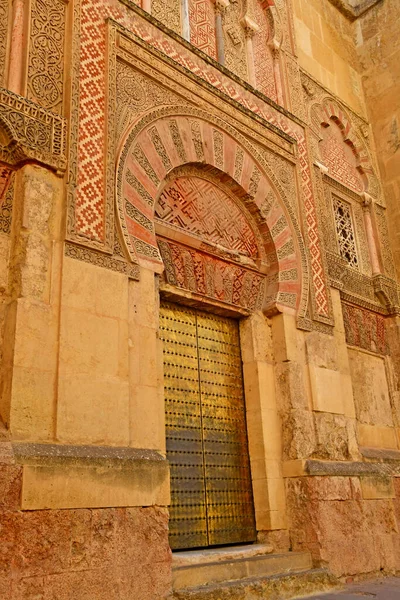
(246, 260)
(213, 255)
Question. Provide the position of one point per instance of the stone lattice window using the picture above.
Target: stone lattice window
(345, 232)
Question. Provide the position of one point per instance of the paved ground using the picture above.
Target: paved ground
(381, 589)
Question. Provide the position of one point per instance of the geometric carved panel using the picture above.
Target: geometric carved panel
(208, 276)
(364, 328)
(202, 26)
(198, 206)
(93, 15)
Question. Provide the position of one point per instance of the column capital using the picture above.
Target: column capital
(367, 201)
(250, 27)
(221, 5)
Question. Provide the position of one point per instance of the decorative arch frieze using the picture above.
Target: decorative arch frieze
(273, 16)
(169, 138)
(261, 23)
(345, 169)
(328, 113)
(275, 20)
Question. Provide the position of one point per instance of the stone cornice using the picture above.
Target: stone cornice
(384, 464)
(353, 9)
(49, 454)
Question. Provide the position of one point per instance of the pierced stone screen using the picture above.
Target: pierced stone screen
(345, 232)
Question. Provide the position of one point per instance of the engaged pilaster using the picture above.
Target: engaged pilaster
(250, 28)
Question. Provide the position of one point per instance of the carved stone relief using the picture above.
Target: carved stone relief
(100, 259)
(4, 20)
(169, 13)
(207, 241)
(353, 156)
(202, 26)
(46, 53)
(208, 276)
(339, 147)
(364, 329)
(30, 132)
(263, 53)
(6, 206)
(234, 39)
(199, 207)
(281, 20)
(285, 173)
(297, 104)
(136, 93)
(339, 157)
(383, 232)
(345, 233)
(334, 191)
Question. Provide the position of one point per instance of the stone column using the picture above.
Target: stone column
(18, 48)
(373, 252)
(250, 28)
(185, 20)
(220, 7)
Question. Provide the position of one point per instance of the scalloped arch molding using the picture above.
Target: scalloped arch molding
(165, 141)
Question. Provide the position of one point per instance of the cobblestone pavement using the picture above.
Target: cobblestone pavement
(381, 589)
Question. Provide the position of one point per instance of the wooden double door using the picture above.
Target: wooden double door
(212, 500)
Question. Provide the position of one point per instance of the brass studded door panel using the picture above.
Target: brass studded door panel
(211, 494)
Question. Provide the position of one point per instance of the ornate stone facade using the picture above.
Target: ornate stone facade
(217, 155)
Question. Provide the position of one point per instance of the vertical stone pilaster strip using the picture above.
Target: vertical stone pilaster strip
(4, 19)
(185, 20)
(18, 44)
(250, 28)
(220, 6)
(372, 247)
(277, 61)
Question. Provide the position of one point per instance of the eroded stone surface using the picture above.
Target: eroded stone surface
(86, 554)
(329, 513)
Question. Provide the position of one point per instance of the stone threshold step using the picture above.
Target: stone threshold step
(197, 557)
(281, 586)
(236, 568)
